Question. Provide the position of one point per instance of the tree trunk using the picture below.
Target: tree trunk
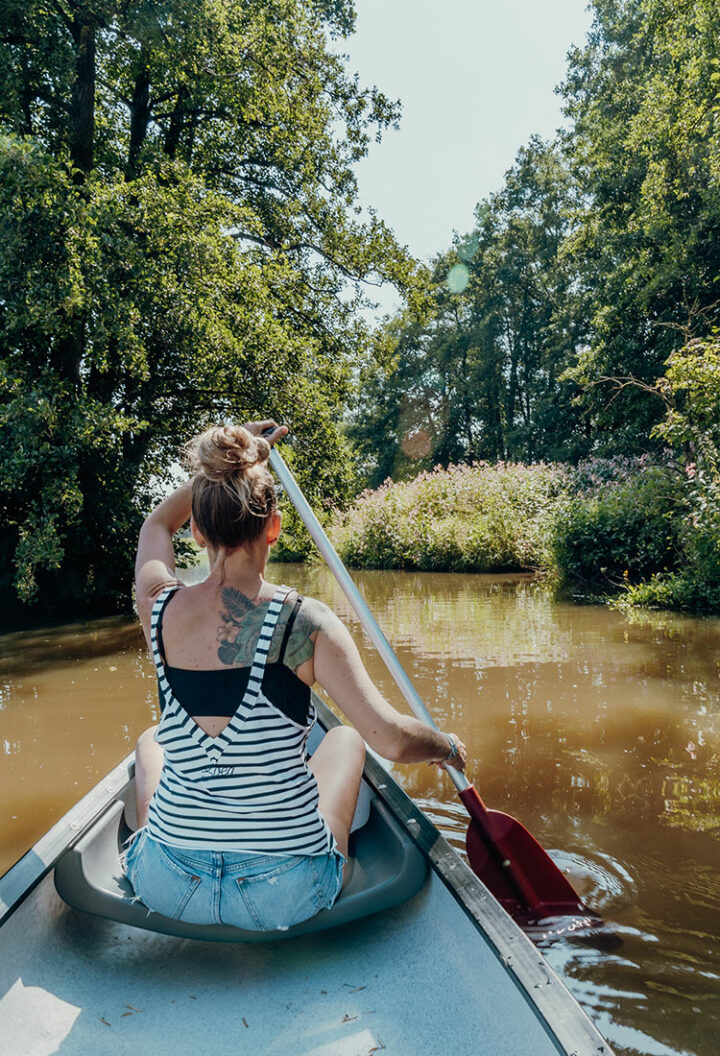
(466, 406)
(139, 116)
(177, 123)
(513, 383)
(82, 106)
(496, 405)
(26, 97)
(67, 355)
(102, 385)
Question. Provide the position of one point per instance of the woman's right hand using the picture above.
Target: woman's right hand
(259, 428)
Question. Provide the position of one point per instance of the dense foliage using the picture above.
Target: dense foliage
(551, 321)
(579, 317)
(179, 243)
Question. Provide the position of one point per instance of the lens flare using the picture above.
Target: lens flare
(416, 443)
(458, 278)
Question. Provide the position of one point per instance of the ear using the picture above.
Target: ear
(274, 527)
(197, 534)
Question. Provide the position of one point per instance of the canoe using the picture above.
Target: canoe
(416, 957)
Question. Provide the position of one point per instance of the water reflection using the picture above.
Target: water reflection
(601, 734)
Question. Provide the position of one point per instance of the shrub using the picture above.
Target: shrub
(683, 591)
(695, 586)
(477, 518)
(622, 529)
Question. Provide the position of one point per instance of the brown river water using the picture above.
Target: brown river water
(601, 733)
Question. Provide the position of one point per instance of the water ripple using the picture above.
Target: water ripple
(601, 880)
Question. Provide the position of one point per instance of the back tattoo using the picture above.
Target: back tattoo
(241, 622)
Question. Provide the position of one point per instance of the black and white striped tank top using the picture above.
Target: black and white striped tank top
(250, 788)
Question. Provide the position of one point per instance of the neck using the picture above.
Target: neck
(243, 568)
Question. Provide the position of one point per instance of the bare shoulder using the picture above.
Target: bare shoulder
(317, 616)
(149, 588)
(313, 617)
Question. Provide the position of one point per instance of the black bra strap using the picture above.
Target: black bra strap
(289, 626)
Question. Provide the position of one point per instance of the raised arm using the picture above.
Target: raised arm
(340, 671)
(155, 561)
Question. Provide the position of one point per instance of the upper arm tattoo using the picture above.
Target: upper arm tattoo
(242, 620)
(312, 617)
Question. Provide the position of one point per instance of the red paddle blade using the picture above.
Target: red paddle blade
(520, 874)
(550, 893)
(533, 890)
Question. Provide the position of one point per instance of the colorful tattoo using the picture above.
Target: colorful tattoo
(242, 620)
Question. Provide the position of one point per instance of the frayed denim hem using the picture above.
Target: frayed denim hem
(128, 845)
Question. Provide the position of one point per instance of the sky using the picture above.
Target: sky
(476, 79)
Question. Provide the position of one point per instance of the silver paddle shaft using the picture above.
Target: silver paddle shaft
(292, 489)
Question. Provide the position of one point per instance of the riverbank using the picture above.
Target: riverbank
(631, 532)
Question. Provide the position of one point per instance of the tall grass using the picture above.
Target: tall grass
(478, 518)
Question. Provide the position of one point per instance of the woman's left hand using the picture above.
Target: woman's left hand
(258, 428)
(457, 757)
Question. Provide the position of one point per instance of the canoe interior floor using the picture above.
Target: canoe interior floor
(418, 980)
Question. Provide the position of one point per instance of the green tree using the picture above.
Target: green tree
(644, 148)
(690, 393)
(477, 374)
(179, 244)
(522, 301)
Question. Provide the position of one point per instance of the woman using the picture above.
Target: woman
(237, 826)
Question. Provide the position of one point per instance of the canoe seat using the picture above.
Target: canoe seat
(387, 868)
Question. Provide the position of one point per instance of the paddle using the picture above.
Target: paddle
(509, 861)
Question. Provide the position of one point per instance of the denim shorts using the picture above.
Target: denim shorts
(246, 889)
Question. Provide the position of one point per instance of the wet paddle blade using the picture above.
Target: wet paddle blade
(548, 893)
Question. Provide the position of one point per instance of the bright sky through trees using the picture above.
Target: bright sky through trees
(476, 79)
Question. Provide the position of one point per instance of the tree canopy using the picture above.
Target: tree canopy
(180, 242)
(552, 321)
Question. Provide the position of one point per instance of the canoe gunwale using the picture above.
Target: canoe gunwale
(565, 1022)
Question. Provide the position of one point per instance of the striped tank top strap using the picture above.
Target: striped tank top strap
(155, 620)
(263, 646)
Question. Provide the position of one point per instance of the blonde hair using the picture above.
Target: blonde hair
(233, 492)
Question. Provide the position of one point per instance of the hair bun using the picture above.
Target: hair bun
(223, 451)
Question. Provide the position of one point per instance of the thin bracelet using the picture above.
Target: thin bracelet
(453, 748)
